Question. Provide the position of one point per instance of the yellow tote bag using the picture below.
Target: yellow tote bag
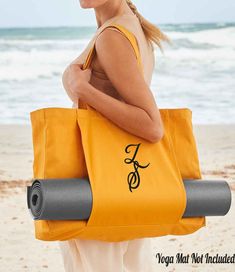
(136, 185)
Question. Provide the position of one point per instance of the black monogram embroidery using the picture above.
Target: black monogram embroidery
(133, 178)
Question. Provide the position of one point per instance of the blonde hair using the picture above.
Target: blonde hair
(152, 33)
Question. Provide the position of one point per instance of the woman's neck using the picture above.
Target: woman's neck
(111, 9)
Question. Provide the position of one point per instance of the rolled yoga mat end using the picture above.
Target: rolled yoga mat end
(60, 199)
(207, 198)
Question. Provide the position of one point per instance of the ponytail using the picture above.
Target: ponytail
(152, 33)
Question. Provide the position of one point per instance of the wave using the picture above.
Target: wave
(195, 27)
(198, 66)
(223, 37)
(42, 33)
(22, 65)
(41, 45)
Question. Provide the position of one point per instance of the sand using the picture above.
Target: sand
(20, 251)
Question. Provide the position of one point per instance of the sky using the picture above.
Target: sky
(34, 13)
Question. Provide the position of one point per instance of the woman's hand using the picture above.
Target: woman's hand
(76, 78)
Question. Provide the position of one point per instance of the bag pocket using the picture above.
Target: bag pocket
(58, 153)
(115, 159)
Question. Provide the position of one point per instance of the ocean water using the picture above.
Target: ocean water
(196, 71)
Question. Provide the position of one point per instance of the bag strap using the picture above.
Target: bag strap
(129, 35)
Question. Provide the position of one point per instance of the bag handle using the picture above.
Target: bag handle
(129, 35)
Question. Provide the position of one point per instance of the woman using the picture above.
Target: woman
(116, 88)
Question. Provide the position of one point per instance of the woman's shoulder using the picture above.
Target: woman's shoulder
(127, 22)
(131, 25)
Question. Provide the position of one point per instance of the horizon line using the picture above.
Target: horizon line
(169, 23)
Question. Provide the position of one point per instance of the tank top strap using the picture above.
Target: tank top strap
(128, 34)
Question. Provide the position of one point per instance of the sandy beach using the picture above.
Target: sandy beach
(20, 251)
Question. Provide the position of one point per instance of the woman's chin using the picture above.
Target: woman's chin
(91, 3)
(86, 4)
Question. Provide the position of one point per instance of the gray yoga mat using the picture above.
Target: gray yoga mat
(207, 198)
(71, 199)
(60, 199)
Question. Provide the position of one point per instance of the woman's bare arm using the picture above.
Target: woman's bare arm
(139, 114)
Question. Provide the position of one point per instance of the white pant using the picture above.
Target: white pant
(100, 256)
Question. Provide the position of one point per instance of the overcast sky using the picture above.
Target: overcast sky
(30, 13)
